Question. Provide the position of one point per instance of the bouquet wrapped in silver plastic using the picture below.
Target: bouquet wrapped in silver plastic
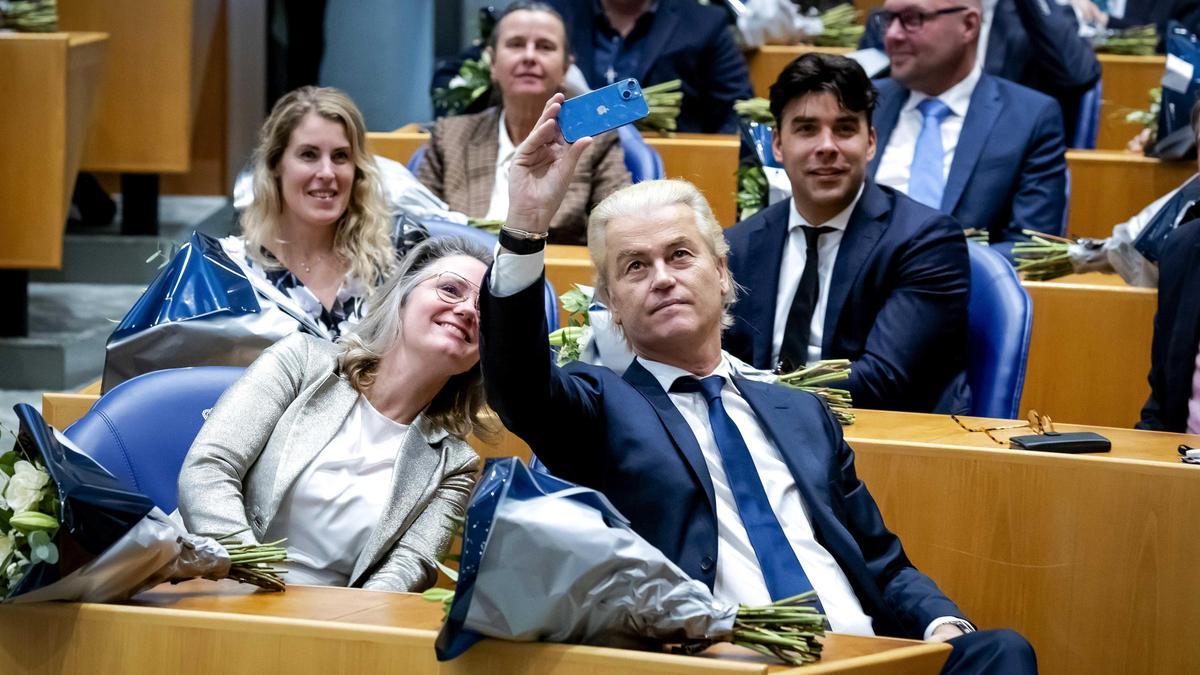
(546, 560)
(70, 531)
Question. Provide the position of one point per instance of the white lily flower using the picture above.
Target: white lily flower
(25, 487)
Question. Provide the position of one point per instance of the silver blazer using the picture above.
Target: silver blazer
(275, 419)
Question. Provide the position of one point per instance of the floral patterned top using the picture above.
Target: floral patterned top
(349, 305)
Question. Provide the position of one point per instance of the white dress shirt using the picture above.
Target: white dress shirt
(895, 165)
(329, 512)
(739, 578)
(791, 268)
(498, 207)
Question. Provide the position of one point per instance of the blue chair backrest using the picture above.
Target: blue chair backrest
(643, 161)
(1087, 125)
(142, 429)
(414, 162)
(443, 228)
(1000, 321)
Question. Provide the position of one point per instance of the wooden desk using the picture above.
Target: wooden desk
(397, 145)
(206, 627)
(768, 61)
(49, 89)
(1090, 350)
(1110, 187)
(150, 91)
(708, 160)
(1127, 81)
(1092, 558)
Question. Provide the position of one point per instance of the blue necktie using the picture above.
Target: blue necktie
(925, 180)
(780, 568)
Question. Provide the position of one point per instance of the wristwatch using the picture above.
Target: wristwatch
(961, 624)
(522, 242)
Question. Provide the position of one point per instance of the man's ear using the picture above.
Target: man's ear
(726, 277)
(777, 145)
(871, 146)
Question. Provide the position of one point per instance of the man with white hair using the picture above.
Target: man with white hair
(746, 486)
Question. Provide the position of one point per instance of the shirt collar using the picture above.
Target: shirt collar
(667, 374)
(601, 19)
(956, 98)
(838, 222)
(507, 149)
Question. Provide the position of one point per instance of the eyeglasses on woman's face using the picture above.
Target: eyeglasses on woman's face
(452, 288)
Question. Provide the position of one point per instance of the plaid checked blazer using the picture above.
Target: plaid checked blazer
(460, 167)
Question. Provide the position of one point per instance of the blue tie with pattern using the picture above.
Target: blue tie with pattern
(776, 558)
(926, 181)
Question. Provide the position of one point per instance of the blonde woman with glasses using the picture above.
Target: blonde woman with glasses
(355, 451)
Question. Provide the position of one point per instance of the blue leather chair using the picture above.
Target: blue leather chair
(1083, 137)
(1000, 321)
(442, 228)
(643, 161)
(142, 429)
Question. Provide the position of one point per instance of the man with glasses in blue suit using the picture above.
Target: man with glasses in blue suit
(747, 486)
(987, 151)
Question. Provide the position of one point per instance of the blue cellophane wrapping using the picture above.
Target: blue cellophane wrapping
(119, 543)
(546, 560)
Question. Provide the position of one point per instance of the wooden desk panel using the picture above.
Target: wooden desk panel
(149, 93)
(709, 161)
(49, 80)
(398, 146)
(1109, 187)
(1090, 350)
(768, 61)
(1126, 84)
(1092, 558)
(203, 627)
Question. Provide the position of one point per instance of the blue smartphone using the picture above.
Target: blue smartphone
(606, 108)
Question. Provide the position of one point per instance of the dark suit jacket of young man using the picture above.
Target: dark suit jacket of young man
(623, 436)
(686, 41)
(897, 301)
(1010, 168)
(1176, 332)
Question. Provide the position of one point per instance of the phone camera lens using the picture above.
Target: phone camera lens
(626, 95)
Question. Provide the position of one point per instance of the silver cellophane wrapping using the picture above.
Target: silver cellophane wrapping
(155, 550)
(555, 570)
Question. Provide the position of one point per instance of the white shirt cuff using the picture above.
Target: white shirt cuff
(513, 273)
(940, 621)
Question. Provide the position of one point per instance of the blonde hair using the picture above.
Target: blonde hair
(640, 198)
(362, 234)
(457, 407)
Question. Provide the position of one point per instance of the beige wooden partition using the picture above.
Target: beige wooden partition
(48, 86)
(1109, 187)
(150, 93)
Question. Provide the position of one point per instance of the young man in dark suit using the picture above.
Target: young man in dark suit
(847, 268)
(980, 148)
(747, 486)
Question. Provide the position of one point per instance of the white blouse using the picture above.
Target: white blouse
(332, 508)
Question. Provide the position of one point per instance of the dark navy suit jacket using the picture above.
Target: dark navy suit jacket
(897, 301)
(1176, 332)
(686, 41)
(624, 437)
(1010, 168)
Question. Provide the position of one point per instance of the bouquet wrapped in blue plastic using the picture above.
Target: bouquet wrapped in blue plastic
(546, 560)
(70, 531)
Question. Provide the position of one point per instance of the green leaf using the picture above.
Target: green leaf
(575, 301)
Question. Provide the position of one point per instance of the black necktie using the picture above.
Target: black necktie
(793, 353)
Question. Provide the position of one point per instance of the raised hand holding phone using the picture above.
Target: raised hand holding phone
(541, 172)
